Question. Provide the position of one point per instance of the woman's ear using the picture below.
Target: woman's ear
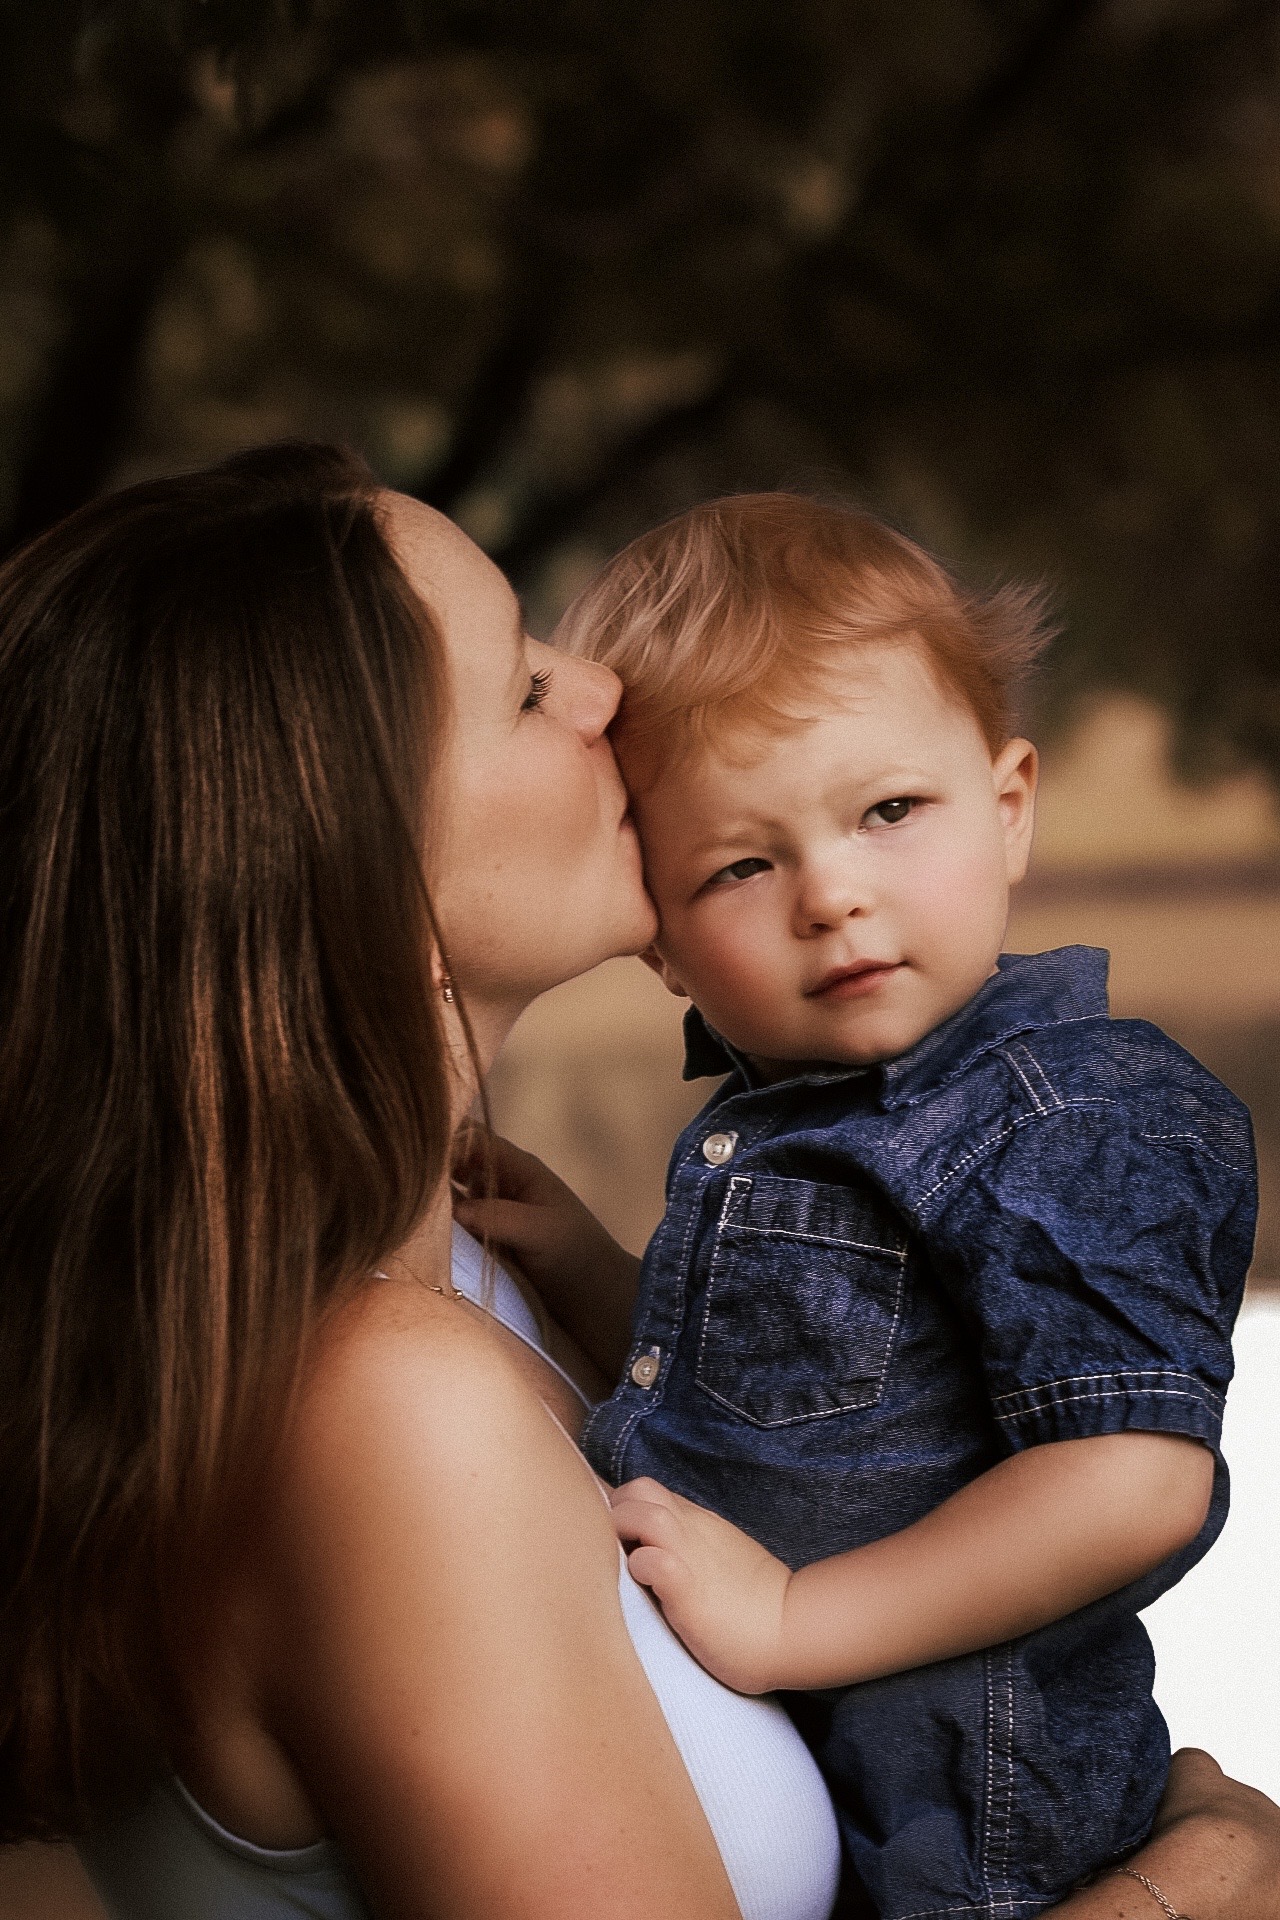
(652, 958)
(1015, 773)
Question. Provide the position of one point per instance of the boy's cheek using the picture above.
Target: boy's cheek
(735, 987)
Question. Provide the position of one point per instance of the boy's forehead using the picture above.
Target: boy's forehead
(887, 717)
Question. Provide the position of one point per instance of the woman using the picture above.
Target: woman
(294, 822)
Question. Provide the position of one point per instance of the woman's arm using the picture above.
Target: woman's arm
(445, 1656)
(1214, 1854)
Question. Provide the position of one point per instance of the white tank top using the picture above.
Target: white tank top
(759, 1787)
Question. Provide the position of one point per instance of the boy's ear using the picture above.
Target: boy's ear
(1015, 773)
(652, 958)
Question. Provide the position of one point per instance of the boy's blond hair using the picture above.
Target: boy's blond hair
(732, 621)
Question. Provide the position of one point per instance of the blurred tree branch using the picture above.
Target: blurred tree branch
(1009, 269)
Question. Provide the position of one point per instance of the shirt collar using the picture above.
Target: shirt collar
(1027, 991)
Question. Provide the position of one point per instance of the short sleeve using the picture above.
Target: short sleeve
(1100, 1266)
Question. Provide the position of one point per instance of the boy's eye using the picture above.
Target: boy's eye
(890, 812)
(739, 870)
(539, 683)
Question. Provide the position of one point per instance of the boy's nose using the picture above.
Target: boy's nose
(829, 895)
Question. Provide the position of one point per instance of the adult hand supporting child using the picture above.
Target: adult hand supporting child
(1214, 1851)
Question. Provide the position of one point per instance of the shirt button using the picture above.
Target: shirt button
(718, 1148)
(644, 1371)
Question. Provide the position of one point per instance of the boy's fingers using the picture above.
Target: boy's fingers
(654, 1567)
(476, 1150)
(643, 1488)
(471, 1145)
(511, 1223)
(642, 1521)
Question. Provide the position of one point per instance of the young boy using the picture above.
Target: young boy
(926, 1371)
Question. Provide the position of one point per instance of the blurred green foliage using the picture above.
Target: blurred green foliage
(1008, 270)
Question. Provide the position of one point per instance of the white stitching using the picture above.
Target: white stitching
(824, 1413)
(974, 1153)
(987, 1907)
(744, 1225)
(1006, 1815)
(1036, 1101)
(1011, 1054)
(992, 1046)
(1119, 1373)
(1008, 1819)
(817, 1239)
(1172, 1393)
(1232, 1166)
(1054, 1095)
(993, 1140)
(799, 1419)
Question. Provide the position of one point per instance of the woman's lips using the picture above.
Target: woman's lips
(851, 983)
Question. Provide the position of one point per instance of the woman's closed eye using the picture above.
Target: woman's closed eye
(738, 870)
(539, 686)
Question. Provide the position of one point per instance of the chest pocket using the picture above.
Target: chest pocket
(804, 1297)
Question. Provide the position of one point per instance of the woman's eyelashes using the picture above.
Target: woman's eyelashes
(539, 685)
(738, 870)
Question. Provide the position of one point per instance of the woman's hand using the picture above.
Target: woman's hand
(720, 1590)
(1214, 1853)
(586, 1279)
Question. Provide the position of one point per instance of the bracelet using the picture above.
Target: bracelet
(1161, 1899)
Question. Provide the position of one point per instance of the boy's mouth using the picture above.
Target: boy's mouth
(851, 982)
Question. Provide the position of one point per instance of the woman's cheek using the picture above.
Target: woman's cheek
(558, 803)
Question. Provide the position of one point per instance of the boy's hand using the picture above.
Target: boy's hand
(581, 1272)
(720, 1590)
(532, 1215)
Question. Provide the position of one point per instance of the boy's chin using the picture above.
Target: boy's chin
(879, 1042)
(839, 1051)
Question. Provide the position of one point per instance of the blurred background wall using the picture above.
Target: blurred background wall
(1008, 271)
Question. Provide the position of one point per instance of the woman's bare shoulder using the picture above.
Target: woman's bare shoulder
(419, 1494)
(403, 1377)
(436, 1568)
(417, 1445)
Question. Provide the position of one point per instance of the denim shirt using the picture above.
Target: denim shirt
(872, 1284)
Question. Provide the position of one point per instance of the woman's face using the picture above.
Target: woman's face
(537, 873)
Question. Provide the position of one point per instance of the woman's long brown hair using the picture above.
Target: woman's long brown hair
(223, 1077)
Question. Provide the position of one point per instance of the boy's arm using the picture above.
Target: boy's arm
(1036, 1537)
(586, 1279)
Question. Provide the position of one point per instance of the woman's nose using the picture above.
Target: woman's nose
(593, 694)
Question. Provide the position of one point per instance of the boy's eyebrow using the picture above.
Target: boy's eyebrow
(723, 838)
(748, 826)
